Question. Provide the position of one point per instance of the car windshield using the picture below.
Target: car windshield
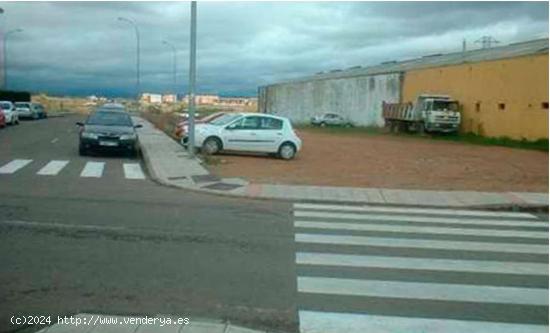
(445, 105)
(5, 106)
(109, 119)
(225, 119)
(22, 105)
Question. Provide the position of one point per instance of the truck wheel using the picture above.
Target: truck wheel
(421, 128)
(323, 124)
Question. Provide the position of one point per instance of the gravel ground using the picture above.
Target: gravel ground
(389, 161)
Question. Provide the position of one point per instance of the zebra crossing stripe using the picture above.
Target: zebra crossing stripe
(332, 322)
(133, 171)
(423, 291)
(397, 218)
(52, 168)
(93, 170)
(420, 243)
(432, 264)
(13, 166)
(422, 230)
(435, 211)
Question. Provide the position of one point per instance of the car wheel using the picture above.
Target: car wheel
(16, 121)
(211, 146)
(287, 151)
(82, 151)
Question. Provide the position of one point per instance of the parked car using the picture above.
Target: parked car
(330, 119)
(12, 117)
(181, 128)
(30, 110)
(108, 130)
(248, 132)
(2, 119)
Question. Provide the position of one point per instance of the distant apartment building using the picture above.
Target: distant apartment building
(151, 98)
(245, 101)
(204, 99)
(169, 98)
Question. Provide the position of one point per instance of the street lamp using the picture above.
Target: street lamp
(192, 78)
(10, 32)
(173, 62)
(123, 19)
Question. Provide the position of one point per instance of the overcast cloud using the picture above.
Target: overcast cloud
(81, 48)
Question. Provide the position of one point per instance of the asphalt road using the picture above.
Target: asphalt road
(117, 243)
(113, 245)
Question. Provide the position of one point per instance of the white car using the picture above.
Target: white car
(12, 117)
(249, 132)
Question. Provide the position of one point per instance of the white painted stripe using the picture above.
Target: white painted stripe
(52, 168)
(396, 218)
(331, 322)
(421, 243)
(55, 140)
(450, 265)
(13, 166)
(32, 224)
(423, 229)
(93, 169)
(418, 290)
(133, 171)
(435, 211)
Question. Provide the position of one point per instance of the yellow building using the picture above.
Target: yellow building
(503, 94)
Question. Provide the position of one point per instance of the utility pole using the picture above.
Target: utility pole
(464, 45)
(487, 42)
(192, 79)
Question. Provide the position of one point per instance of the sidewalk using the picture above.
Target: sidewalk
(169, 164)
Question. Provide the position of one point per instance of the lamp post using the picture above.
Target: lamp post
(133, 24)
(5, 54)
(192, 78)
(174, 64)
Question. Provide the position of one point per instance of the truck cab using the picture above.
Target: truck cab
(439, 113)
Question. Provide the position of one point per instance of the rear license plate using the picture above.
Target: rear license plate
(108, 143)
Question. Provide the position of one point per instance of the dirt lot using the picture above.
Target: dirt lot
(388, 161)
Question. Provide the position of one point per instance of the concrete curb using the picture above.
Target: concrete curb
(524, 207)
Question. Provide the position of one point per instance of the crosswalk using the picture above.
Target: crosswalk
(91, 169)
(408, 270)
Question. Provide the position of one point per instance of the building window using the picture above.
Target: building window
(501, 106)
(545, 105)
(478, 106)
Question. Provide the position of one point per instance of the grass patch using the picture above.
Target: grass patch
(541, 144)
(470, 138)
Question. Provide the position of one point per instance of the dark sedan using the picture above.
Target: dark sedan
(108, 130)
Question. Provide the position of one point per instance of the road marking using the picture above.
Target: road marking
(432, 264)
(62, 225)
(93, 169)
(13, 166)
(397, 218)
(331, 322)
(52, 168)
(418, 290)
(421, 243)
(133, 171)
(421, 230)
(55, 140)
(412, 210)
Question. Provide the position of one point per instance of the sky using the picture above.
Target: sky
(80, 48)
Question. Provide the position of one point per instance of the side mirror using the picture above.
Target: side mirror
(79, 123)
(138, 126)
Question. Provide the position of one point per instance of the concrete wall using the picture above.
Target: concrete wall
(520, 84)
(359, 99)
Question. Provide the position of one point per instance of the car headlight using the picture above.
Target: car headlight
(128, 137)
(89, 135)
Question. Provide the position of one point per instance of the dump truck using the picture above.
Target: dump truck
(430, 113)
